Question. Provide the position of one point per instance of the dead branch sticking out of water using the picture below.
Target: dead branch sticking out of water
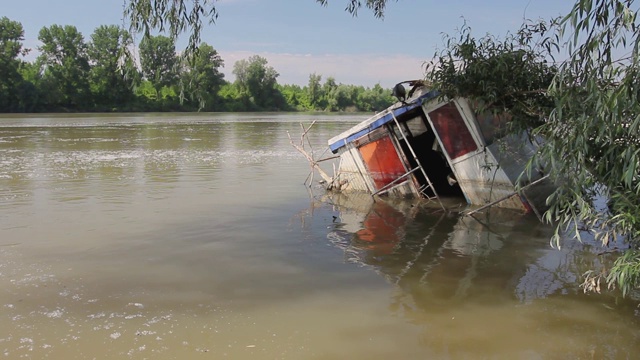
(312, 162)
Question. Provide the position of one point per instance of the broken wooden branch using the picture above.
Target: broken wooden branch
(309, 157)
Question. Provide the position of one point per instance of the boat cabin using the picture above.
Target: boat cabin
(427, 147)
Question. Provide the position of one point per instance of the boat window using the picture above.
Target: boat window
(452, 130)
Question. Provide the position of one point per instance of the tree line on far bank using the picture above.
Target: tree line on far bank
(100, 75)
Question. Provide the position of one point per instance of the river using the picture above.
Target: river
(174, 236)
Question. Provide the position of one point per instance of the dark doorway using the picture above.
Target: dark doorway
(432, 160)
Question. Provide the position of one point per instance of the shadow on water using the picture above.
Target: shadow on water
(485, 285)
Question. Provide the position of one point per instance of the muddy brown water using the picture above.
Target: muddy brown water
(193, 237)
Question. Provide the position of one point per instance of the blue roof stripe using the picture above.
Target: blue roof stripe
(382, 120)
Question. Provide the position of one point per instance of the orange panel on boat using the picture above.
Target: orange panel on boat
(382, 161)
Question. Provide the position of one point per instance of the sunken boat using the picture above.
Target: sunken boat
(429, 147)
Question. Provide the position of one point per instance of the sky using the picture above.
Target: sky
(301, 37)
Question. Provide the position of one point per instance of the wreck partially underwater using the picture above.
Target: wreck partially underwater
(428, 147)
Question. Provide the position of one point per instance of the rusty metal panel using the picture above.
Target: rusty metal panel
(382, 161)
(353, 175)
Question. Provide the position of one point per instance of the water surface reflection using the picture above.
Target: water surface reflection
(483, 286)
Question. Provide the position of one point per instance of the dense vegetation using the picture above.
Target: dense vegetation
(74, 75)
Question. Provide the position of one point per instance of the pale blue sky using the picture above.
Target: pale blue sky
(299, 37)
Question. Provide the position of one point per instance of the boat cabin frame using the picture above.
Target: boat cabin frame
(429, 147)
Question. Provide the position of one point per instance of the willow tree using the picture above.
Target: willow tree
(173, 17)
(593, 132)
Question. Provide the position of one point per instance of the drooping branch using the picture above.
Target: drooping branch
(172, 16)
(377, 6)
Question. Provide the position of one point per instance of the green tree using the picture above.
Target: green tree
(345, 97)
(232, 98)
(65, 64)
(202, 78)
(296, 97)
(314, 88)
(11, 37)
(593, 131)
(112, 69)
(374, 99)
(328, 102)
(258, 83)
(510, 75)
(29, 94)
(158, 61)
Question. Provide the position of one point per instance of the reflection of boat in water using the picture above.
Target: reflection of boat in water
(479, 287)
(450, 256)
